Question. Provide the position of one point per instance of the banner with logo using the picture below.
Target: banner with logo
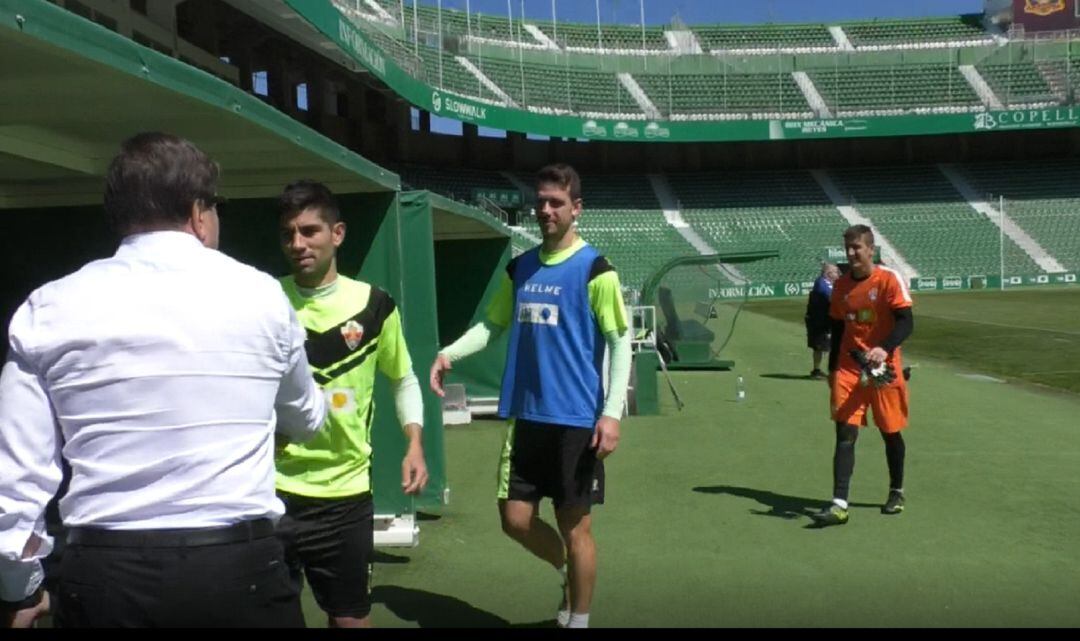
(952, 282)
(931, 283)
(762, 290)
(836, 255)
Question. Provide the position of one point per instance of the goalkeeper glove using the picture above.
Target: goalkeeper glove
(878, 376)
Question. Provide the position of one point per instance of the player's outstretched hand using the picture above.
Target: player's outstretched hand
(438, 370)
(414, 473)
(605, 437)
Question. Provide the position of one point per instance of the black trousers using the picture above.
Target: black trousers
(156, 582)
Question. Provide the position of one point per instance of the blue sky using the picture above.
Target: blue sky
(660, 12)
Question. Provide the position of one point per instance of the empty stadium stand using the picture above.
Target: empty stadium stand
(1041, 197)
(748, 37)
(745, 210)
(958, 30)
(918, 210)
(897, 88)
(929, 222)
(736, 93)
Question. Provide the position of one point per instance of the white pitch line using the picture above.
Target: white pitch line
(974, 322)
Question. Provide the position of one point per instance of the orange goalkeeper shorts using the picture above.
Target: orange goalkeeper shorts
(850, 400)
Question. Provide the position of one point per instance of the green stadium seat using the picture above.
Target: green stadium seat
(953, 31)
(1041, 197)
(929, 222)
(748, 37)
(896, 88)
(724, 93)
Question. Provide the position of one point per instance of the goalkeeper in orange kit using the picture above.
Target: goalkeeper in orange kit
(871, 316)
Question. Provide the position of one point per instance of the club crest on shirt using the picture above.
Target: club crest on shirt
(873, 295)
(353, 333)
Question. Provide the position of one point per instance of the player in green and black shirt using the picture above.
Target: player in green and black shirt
(353, 329)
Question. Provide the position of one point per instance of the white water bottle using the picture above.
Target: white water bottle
(740, 390)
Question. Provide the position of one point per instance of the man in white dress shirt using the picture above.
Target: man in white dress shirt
(159, 375)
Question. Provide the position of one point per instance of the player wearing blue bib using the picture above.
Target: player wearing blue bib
(562, 303)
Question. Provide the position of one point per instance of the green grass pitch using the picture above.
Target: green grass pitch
(705, 522)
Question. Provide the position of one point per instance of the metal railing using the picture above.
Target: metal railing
(494, 210)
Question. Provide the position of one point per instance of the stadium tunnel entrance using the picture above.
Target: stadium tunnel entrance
(471, 250)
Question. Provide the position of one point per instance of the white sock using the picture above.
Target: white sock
(841, 503)
(578, 620)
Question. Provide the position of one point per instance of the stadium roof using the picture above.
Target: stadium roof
(73, 90)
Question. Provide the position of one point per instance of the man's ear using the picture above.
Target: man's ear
(199, 223)
(196, 220)
(337, 231)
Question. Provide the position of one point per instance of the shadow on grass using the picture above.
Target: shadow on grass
(779, 505)
(390, 559)
(791, 377)
(431, 610)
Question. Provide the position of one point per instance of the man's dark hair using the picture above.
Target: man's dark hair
(153, 182)
(304, 194)
(859, 231)
(562, 175)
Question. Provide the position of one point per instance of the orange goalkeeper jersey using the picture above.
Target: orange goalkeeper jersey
(866, 307)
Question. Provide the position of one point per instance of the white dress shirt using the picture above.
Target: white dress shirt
(159, 374)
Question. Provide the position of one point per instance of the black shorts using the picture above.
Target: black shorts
(546, 460)
(818, 337)
(331, 542)
(819, 341)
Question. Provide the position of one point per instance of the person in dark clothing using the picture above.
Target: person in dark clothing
(817, 316)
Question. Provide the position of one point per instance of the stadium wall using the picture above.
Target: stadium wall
(518, 153)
